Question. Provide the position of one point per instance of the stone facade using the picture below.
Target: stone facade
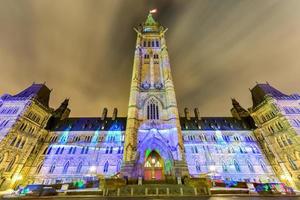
(23, 118)
(277, 117)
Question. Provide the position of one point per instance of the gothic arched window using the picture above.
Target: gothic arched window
(250, 166)
(157, 43)
(106, 165)
(65, 170)
(292, 163)
(263, 165)
(78, 170)
(152, 109)
(11, 164)
(38, 169)
(198, 167)
(237, 166)
(52, 168)
(119, 166)
(224, 167)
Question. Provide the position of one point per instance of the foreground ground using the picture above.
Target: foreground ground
(154, 198)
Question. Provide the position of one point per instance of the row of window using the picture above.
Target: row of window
(291, 110)
(34, 117)
(18, 142)
(272, 129)
(27, 128)
(109, 150)
(211, 125)
(236, 166)
(78, 169)
(84, 150)
(9, 111)
(87, 138)
(10, 165)
(283, 140)
(267, 116)
(214, 138)
(253, 149)
(151, 43)
(147, 56)
(296, 122)
(4, 123)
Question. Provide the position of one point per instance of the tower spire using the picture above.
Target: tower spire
(152, 105)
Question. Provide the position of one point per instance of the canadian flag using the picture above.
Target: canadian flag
(153, 11)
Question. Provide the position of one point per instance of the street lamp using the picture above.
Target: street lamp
(93, 170)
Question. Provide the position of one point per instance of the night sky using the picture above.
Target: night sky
(84, 49)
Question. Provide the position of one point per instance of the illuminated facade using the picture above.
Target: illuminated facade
(23, 118)
(153, 142)
(277, 117)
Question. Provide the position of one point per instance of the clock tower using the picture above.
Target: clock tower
(153, 140)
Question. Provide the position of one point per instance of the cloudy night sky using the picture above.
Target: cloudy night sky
(84, 49)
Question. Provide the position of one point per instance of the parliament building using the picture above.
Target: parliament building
(40, 144)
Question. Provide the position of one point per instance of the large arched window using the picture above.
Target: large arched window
(65, 170)
(152, 109)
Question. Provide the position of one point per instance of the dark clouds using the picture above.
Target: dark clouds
(84, 49)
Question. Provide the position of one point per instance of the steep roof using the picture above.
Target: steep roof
(261, 90)
(38, 91)
(213, 123)
(90, 124)
(96, 123)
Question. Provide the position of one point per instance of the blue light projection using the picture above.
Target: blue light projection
(64, 137)
(95, 137)
(114, 133)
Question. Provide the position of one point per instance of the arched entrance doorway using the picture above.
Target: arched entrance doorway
(154, 167)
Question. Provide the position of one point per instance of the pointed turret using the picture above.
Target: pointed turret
(62, 112)
(238, 111)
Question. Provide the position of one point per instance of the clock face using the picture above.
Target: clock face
(147, 29)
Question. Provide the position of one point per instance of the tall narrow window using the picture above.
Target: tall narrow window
(52, 168)
(106, 165)
(10, 165)
(157, 43)
(224, 167)
(250, 166)
(49, 151)
(198, 167)
(263, 165)
(38, 169)
(119, 166)
(237, 166)
(66, 167)
(78, 170)
(292, 163)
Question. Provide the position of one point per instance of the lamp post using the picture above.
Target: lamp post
(93, 171)
(212, 169)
